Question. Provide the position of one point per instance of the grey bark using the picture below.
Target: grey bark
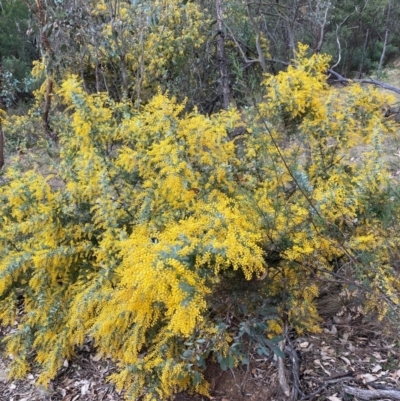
(363, 55)
(222, 61)
(372, 394)
(260, 52)
(389, 8)
(1, 145)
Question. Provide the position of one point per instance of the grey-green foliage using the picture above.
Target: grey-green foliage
(16, 79)
(361, 26)
(75, 35)
(14, 24)
(16, 51)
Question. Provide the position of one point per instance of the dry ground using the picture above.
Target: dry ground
(350, 352)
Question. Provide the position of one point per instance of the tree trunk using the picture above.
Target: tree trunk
(322, 27)
(258, 39)
(46, 110)
(389, 8)
(383, 53)
(48, 50)
(97, 75)
(1, 144)
(363, 55)
(124, 75)
(222, 62)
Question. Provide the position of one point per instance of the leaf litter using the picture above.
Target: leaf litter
(329, 364)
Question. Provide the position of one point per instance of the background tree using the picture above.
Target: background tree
(132, 48)
(17, 51)
(362, 28)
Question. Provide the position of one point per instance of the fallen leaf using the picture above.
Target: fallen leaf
(318, 363)
(3, 375)
(85, 387)
(367, 377)
(345, 360)
(376, 368)
(351, 347)
(334, 398)
(96, 358)
(342, 319)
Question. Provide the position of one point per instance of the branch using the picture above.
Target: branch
(338, 41)
(323, 25)
(247, 61)
(282, 371)
(339, 48)
(346, 377)
(258, 38)
(370, 81)
(372, 394)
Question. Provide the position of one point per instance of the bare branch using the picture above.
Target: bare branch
(247, 61)
(372, 394)
(322, 31)
(258, 38)
(339, 48)
(370, 81)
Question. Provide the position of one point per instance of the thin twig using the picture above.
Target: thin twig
(349, 376)
(294, 358)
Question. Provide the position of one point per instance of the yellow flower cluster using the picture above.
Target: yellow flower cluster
(155, 207)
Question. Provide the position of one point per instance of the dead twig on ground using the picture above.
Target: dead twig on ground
(347, 377)
(393, 394)
(283, 382)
